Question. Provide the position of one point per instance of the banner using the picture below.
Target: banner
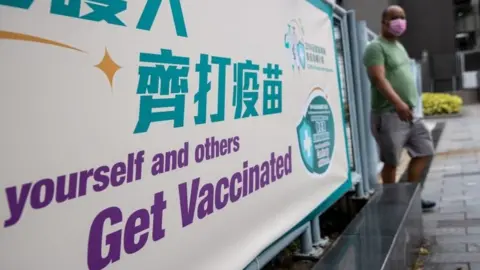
(164, 134)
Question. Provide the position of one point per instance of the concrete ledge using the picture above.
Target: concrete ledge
(443, 116)
(383, 236)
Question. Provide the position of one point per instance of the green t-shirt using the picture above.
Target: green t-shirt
(394, 57)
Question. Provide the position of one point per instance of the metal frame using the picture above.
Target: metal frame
(354, 38)
(311, 241)
(417, 74)
(420, 88)
(370, 150)
(359, 36)
(371, 34)
(357, 176)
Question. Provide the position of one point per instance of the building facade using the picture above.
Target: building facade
(437, 30)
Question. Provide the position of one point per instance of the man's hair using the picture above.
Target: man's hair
(385, 13)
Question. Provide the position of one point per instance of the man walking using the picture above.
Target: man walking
(394, 97)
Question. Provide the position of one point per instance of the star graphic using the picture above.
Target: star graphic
(108, 67)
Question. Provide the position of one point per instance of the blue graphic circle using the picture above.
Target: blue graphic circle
(316, 136)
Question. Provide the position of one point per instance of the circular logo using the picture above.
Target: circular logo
(316, 133)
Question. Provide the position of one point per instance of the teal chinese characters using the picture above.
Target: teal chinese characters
(109, 11)
(163, 86)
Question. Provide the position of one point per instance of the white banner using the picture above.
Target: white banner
(164, 134)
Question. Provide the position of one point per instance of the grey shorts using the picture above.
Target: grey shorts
(392, 135)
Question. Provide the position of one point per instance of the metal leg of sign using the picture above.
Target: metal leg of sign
(367, 187)
(318, 241)
(307, 250)
(316, 235)
(267, 255)
(306, 242)
(360, 189)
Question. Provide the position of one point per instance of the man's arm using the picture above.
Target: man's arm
(374, 61)
(377, 77)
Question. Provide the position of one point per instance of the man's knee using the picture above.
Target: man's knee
(420, 144)
(423, 158)
(390, 156)
(389, 168)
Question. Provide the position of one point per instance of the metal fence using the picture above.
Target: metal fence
(351, 39)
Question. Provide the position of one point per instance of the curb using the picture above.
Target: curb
(443, 116)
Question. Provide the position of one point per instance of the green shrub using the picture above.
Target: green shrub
(438, 103)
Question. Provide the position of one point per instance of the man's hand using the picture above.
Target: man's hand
(404, 111)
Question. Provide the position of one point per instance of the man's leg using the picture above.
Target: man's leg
(389, 174)
(420, 148)
(391, 134)
(416, 167)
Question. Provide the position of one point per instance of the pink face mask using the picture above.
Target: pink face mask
(397, 27)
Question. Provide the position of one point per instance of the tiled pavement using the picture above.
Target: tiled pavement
(453, 228)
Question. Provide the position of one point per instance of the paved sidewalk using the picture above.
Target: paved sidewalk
(453, 229)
